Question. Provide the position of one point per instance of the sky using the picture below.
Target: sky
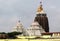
(25, 10)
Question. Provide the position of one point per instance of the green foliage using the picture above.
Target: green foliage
(10, 35)
(13, 34)
(2, 33)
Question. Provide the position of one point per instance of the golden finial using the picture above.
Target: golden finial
(40, 8)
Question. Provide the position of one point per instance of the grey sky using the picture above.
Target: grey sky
(12, 10)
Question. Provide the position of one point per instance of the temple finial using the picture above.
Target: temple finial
(41, 2)
(19, 19)
(40, 8)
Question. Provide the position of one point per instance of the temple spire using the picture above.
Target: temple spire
(41, 18)
(41, 2)
(18, 21)
(40, 9)
(18, 27)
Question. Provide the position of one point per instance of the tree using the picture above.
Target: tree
(13, 34)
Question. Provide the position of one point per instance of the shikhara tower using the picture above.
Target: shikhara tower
(41, 18)
(18, 27)
(35, 29)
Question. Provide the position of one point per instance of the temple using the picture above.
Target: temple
(35, 29)
(41, 18)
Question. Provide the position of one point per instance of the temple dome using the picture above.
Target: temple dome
(35, 24)
(35, 29)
